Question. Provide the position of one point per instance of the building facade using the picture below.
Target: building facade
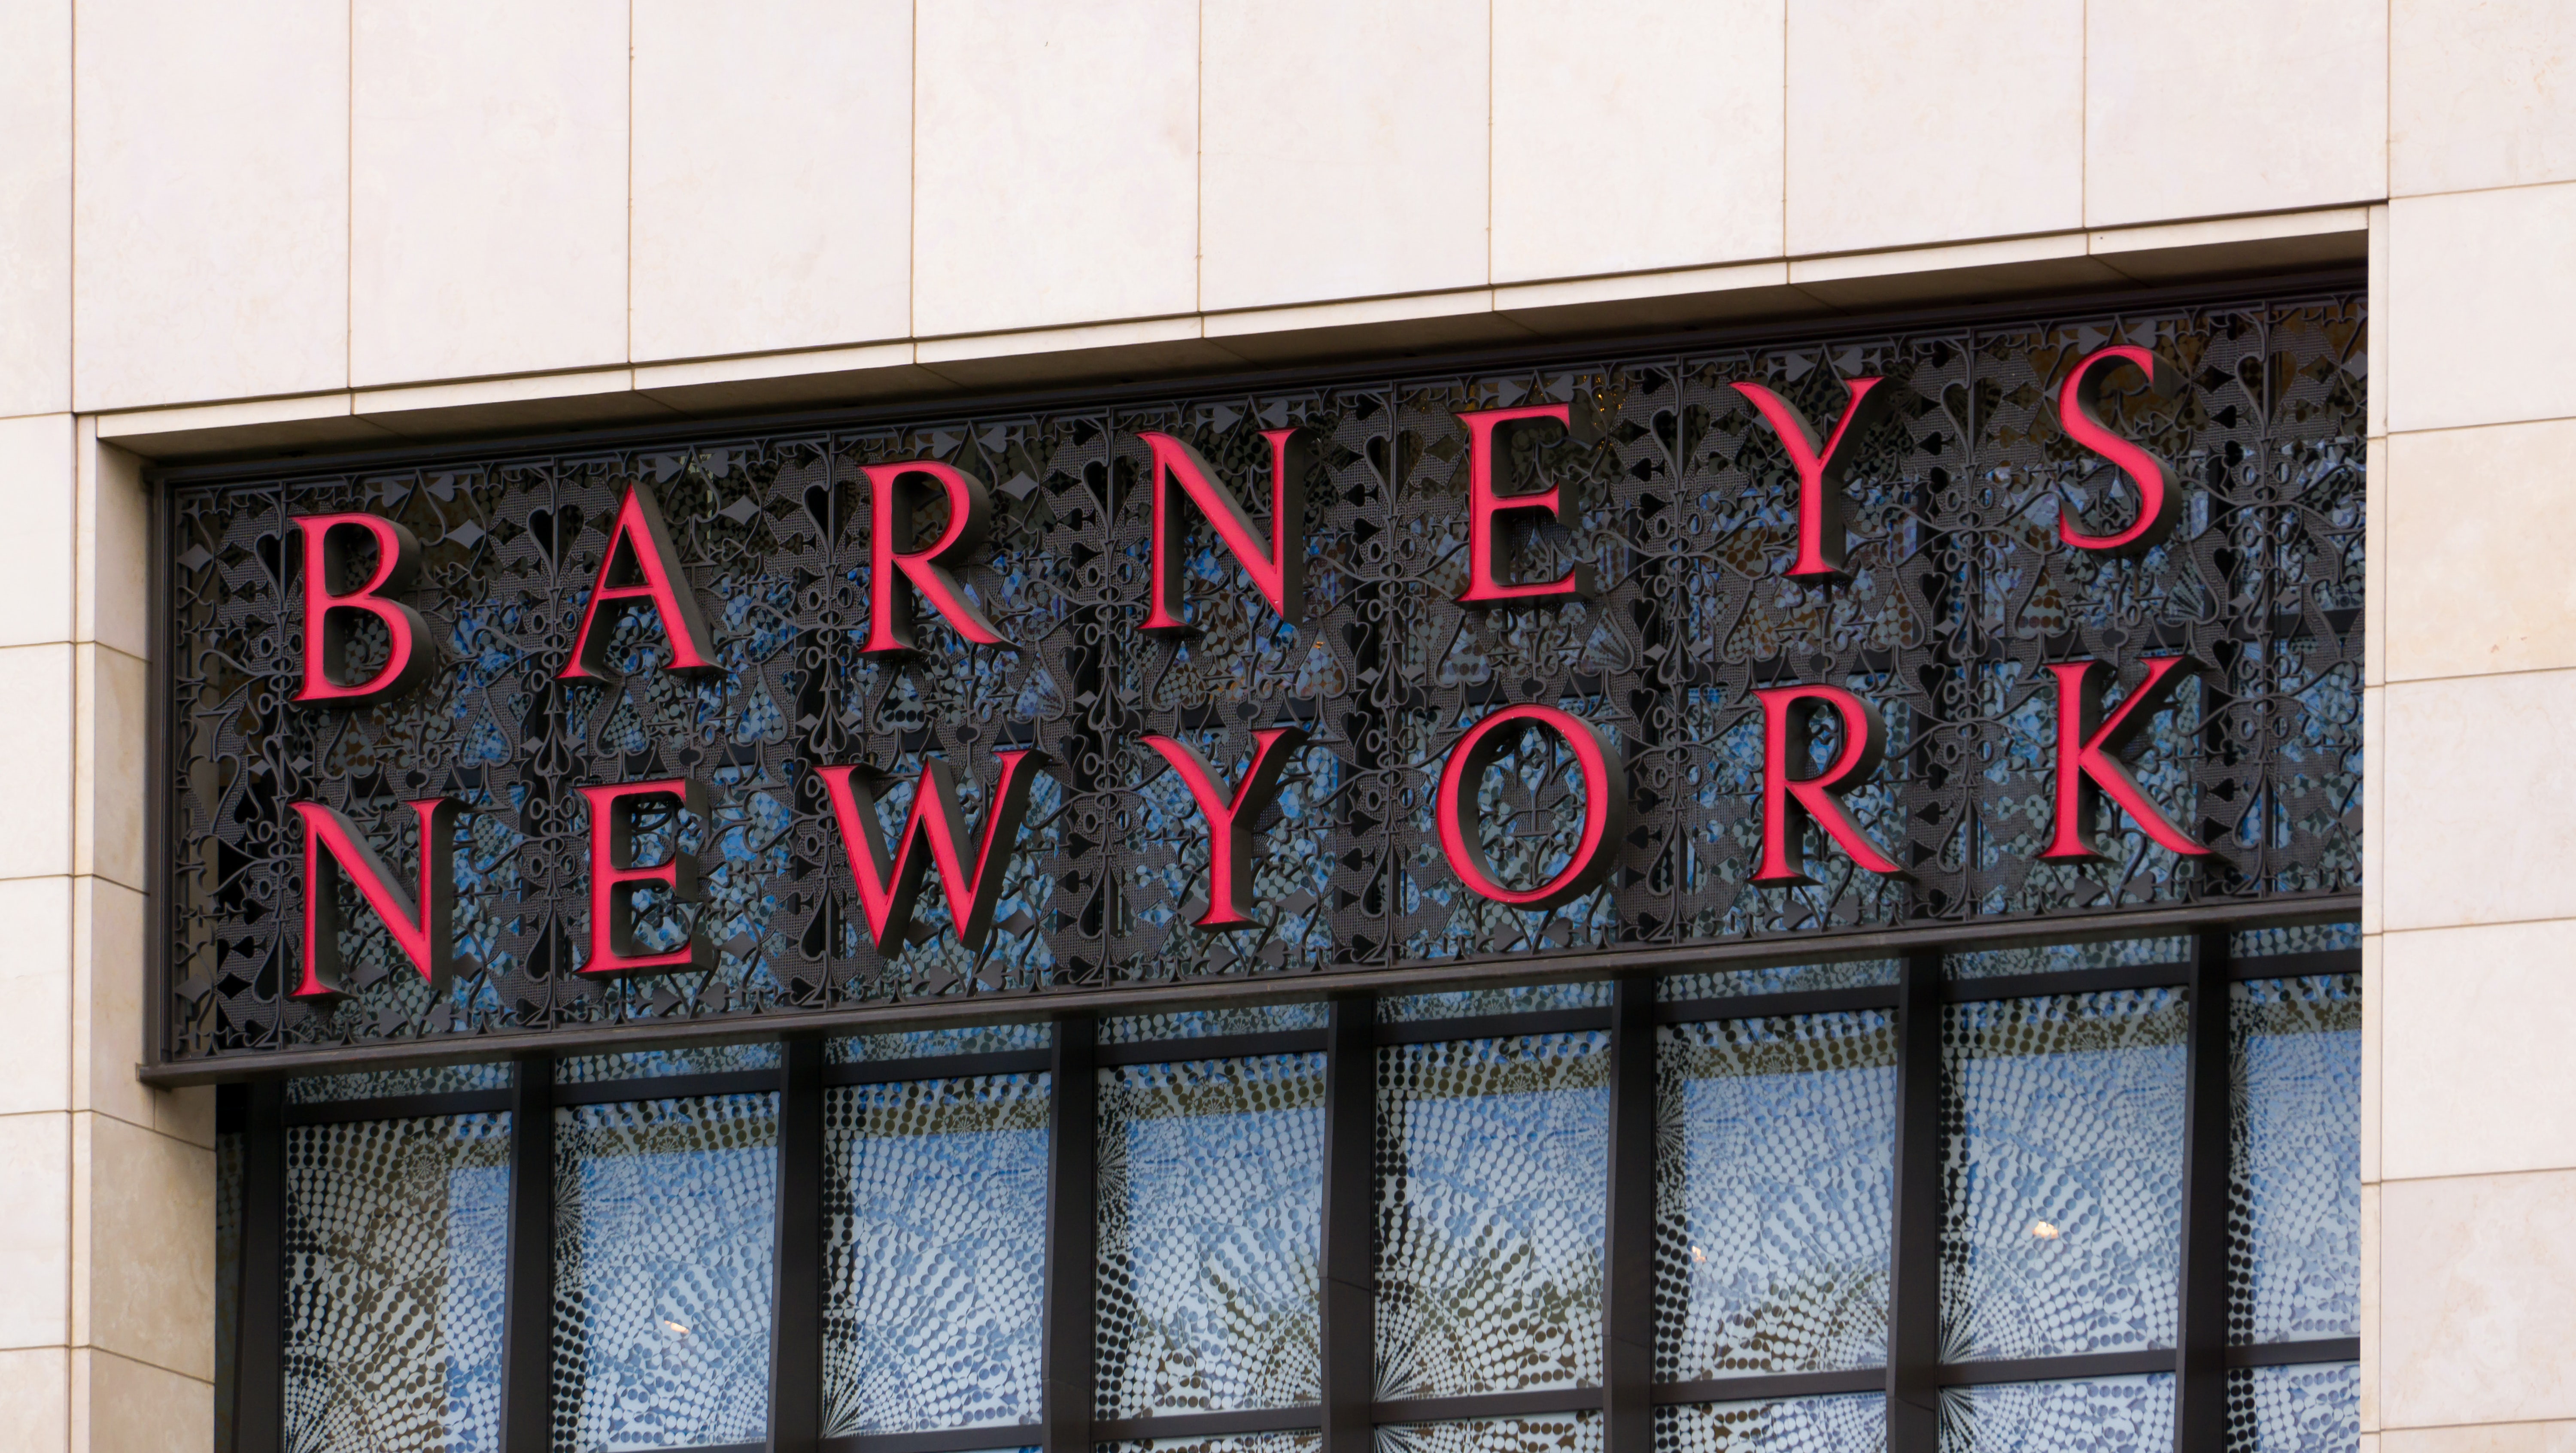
(932, 728)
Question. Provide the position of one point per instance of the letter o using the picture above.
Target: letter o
(1605, 804)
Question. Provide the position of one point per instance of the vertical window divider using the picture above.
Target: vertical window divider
(1072, 1254)
(1914, 1269)
(259, 1398)
(527, 1315)
(1628, 1280)
(2200, 1358)
(796, 1322)
(1348, 1316)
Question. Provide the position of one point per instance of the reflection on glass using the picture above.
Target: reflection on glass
(1856, 1423)
(1493, 1165)
(1774, 1191)
(926, 1043)
(1211, 1222)
(698, 1059)
(1202, 1023)
(1533, 1433)
(1307, 1440)
(1778, 979)
(2087, 1415)
(2062, 1149)
(2311, 938)
(935, 1210)
(378, 1084)
(663, 1227)
(394, 1253)
(2118, 953)
(1518, 999)
(2310, 1409)
(2296, 1183)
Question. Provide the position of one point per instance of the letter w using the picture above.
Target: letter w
(888, 890)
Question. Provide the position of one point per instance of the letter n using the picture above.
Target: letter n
(1277, 568)
(422, 927)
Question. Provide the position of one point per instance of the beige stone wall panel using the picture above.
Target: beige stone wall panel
(147, 1224)
(1913, 124)
(1631, 136)
(36, 739)
(2482, 94)
(36, 550)
(2474, 832)
(2488, 537)
(35, 206)
(35, 1399)
(489, 193)
(134, 1407)
(2481, 297)
(211, 209)
(2478, 1274)
(36, 1067)
(773, 175)
(35, 1225)
(1346, 150)
(1055, 164)
(2202, 108)
(2477, 1024)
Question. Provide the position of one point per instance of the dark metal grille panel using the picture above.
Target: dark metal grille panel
(1960, 594)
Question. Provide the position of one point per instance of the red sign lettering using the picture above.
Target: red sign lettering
(1488, 432)
(421, 927)
(1822, 468)
(1605, 804)
(614, 878)
(1278, 571)
(2079, 413)
(640, 565)
(893, 561)
(1230, 820)
(2089, 748)
(327, 616)
(1789, 802)
(887, 891)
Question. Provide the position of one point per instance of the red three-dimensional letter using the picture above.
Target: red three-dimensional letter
(1230, 821)
(326, 616)
(1278, 570)
(1822, 468)
(640, 565)
(887, 891)
(1489, 432)
(2079, 412)
(892, 560)
(2089, 748)
(1789, 802)
(614, 878)
(1605, 804)
(421, 928)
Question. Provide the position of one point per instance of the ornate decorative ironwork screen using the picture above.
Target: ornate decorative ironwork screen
(1959, 595)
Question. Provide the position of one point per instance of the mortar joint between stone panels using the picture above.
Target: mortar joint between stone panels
(100, 1349)
(2385, 931)
(2395, 681)
(2395, 433)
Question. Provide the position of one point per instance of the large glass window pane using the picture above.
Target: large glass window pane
(2083, 1415)
(2057, 958)
(1778, 979)
(1528, 1433)
(1299, 1441)
(1515, 999)
(935, 1206)
(2311, 1409)
(1211, 1224)
(664, 1214)
(2062, 1221)
(1853, 1424)
(2296, 1182)
(1493, 1165)
(395, 1242)
(1775, 1186)
(696, 1059)
(1206, 1023)
(378, 1084)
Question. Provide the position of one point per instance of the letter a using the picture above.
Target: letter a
(887, 891)
(2089, 748)
(333, 846)
(640, 565)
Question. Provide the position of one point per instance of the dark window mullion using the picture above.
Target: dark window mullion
(796, 1321)
(1628, 1280)
(527, 1305)
(1072, 1272)
(1914, 1279)
(259, 1398)
(2200, 1363)
(1348, 1313)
